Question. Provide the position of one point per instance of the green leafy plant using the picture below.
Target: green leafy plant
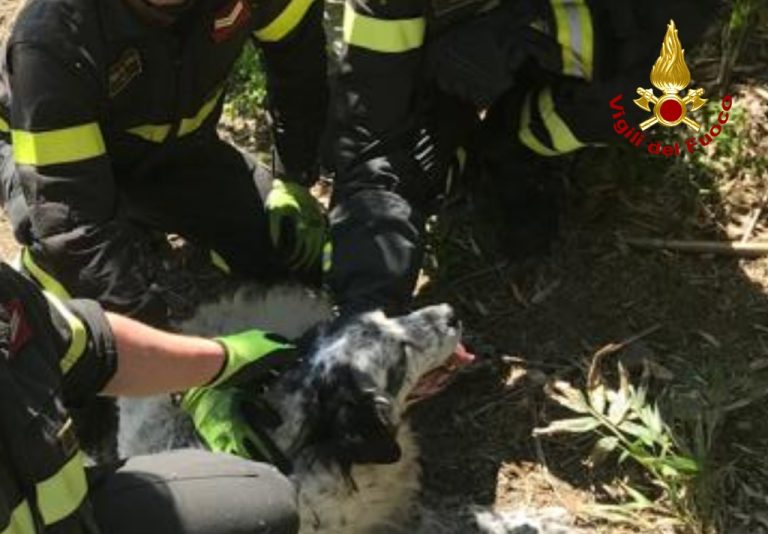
(629, 427)
(247, 85)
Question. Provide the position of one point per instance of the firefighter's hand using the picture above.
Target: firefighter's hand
(253, 357)
(229, 420)
(297, 225)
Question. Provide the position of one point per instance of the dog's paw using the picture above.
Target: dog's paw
(552, 520)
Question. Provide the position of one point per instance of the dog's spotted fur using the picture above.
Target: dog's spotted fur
(331, 419)
(354, 456)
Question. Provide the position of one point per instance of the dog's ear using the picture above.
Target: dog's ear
(365, 431)
(351, 423)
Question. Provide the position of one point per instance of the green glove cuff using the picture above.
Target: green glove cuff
(294, 202)
(252, 355)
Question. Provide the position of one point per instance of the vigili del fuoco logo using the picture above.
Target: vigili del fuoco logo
(671, 76)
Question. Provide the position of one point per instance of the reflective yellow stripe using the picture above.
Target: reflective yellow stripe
(79, 336)
(576, 36)
(63, 493)
(21, 520)
(285, 21)
(58, 146)
(562, 136)
(157, 133)
(588, 41)
(381, 35)
(48, 282)
(327, 257)
(4, 125)
(527, 137)
(154, 133)
(220, 263)
(191, 124)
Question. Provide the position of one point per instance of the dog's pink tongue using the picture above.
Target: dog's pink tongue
(435, 381)
(461, 355)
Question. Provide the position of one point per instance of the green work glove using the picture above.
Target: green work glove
(253, 356)
(228, 414)
(297, 224)
(229, 420)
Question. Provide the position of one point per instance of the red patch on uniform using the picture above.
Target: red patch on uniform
(229, 19)
(20, 332)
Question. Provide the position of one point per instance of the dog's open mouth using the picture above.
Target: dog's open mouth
(436, 380)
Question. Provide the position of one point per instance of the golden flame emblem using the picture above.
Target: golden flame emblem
(670, 75)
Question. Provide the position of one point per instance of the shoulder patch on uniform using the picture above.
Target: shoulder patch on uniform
(229, 19)
(123, 71)
(19, 331)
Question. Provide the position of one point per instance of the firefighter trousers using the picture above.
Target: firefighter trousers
(193, 492)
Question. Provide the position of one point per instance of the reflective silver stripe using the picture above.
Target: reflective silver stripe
(576, 37)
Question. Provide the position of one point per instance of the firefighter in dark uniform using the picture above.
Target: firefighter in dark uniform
(55, 353)
(108, 115)
(515, 84)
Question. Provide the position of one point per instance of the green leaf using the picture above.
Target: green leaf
(638, 431)
(667, 471)
(685, 465)
(637, 497)
(577, 425)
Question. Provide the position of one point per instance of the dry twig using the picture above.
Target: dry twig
(593, 376)
(728, 248)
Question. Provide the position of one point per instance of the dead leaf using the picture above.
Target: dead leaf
(543, 294)
(566, 395)
(709, 338)
(577, 425)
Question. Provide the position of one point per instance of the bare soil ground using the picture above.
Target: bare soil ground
(543, 319)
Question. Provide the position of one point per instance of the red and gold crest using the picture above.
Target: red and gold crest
(670, 75)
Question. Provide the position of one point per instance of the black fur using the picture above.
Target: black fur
(350, 422)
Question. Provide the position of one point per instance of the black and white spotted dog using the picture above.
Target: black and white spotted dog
(342, 427)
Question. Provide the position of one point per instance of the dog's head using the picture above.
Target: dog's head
(363, 373)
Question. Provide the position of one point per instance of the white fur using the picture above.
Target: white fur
(384, 498)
